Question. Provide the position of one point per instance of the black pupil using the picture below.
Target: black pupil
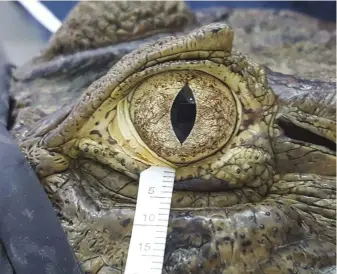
(183, 113)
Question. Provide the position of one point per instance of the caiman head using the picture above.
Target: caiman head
(255, 172)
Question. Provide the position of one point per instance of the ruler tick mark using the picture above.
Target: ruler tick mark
(152, 214)
(150, 225)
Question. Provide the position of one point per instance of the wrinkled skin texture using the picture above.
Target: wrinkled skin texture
(284, 40)
(254, 194)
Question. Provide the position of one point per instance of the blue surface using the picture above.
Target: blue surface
(240, 4)
(60, 8)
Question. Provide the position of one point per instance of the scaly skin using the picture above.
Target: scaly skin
(250, 196)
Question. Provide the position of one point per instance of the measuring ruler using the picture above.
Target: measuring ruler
(148, 238)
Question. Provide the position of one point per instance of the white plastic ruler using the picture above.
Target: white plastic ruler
(148, 239)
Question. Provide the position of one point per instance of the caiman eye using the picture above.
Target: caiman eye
(183, 116)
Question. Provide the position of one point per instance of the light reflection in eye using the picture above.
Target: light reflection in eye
(183, 113)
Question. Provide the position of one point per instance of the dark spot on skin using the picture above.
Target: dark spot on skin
(214, 256)
(246, 243)
(126, 222)
(238, 171)
(227, 239)
(92, 244)
(95, 150)
(268, 213)
(246, 123)
(86, 149)
(97, 123)
(261, 226)
(122, 162)
(112, 141)
(95, 132)
(242, 235)
(216, 30)
(261, 242)
(233, 145)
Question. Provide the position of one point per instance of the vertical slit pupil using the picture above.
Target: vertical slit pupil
(183, 113)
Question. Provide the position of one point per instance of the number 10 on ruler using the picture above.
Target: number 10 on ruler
(148, 239)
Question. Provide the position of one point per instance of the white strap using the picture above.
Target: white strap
(42, 14)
